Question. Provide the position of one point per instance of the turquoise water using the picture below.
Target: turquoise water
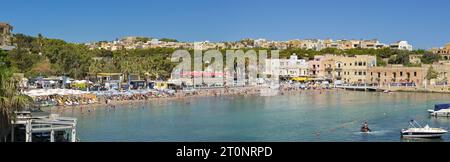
(308, 116)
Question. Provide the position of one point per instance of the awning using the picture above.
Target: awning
(300, 79)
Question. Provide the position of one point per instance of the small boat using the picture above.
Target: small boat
(415, 130)
(440, 110)
(386, 91)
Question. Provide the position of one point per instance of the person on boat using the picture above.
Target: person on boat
(365, 127)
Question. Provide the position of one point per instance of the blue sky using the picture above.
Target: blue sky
(425, 23)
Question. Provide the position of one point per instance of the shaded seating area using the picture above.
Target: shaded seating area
(42, 127)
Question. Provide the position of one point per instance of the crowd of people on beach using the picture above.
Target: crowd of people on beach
(65, 100)
(110, 98)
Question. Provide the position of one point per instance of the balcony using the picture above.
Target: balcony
(328, 69)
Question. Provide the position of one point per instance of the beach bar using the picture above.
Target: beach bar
(42, 127)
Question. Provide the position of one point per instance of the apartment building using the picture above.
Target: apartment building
(396, 74)
(343, 69)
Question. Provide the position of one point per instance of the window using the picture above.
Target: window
(364, 73)
(415, 74)
(364, 64)
(401, 73)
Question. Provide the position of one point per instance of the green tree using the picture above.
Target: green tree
(380, 61)
(168, 40)
(22, 60)
(431, 73)
(10, 100)
(429, 58)
(401, 57)
(73, 60)
(4, 62)
(142, 39)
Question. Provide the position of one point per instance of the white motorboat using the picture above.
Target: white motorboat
(415, 130)
(440, 110)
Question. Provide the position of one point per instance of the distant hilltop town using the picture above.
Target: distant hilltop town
(314, 44)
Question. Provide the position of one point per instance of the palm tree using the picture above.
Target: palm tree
(10, 100)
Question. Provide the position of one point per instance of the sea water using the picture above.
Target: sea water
(307, 116)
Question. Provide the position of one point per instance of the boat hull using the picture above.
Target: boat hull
(421, 135)
(440, 114)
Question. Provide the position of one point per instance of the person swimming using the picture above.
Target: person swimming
(365, 127)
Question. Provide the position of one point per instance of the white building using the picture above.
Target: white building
(292, 67)
(259, 42)
(401, 45)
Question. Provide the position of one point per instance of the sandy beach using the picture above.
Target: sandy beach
(180, 96)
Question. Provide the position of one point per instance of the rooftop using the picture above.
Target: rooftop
(4, 24)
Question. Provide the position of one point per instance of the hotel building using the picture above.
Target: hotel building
(342, 69)
(287, 68)
(396, 74)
